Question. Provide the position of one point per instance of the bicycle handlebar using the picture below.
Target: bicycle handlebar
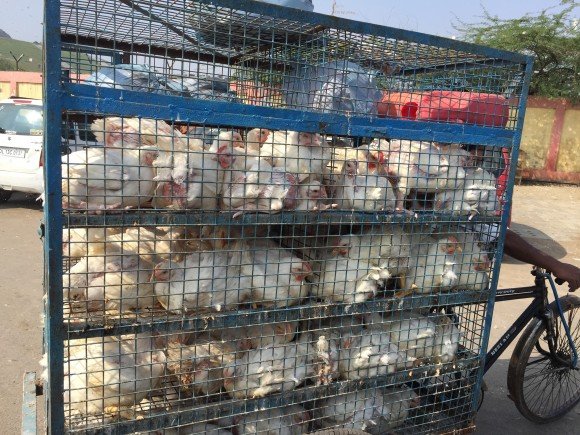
(559, 281)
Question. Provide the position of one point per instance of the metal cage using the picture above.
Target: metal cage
(288, 221)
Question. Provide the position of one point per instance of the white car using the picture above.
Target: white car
(21, 151)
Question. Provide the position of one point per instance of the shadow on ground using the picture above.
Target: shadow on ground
(23, 201)
(537, 238)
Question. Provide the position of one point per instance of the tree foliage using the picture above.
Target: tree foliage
(6, 65)
(551, 37)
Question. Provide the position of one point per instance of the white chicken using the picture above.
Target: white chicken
(312, 197)
(112, 281)
(204, 280)
(255, 138)
(447, 337)
(459, 159)
(366, 191)
(385, 247)
(204, 181)
(255, 336)
(477, 196)
(171, 161)
(152, 244)
(371, 410)
(77, 241)
(303, 154)
(289, 420)
(97, 179)
(433, 267)
(345, 279)
(322, 349)
(369, 354)
(110, 374)
(414, 165)
(278, 276)
(198, 367)
(267, 370)
(259, 186)
(473, 264)
(412, 333)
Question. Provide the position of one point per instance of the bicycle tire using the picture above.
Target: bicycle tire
(544, 382)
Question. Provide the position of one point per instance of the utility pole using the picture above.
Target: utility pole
(16, 59)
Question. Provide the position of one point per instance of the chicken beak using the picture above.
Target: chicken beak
(340, 250)
(481, 266)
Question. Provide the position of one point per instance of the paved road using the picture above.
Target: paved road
(548, 216)
(20, 303)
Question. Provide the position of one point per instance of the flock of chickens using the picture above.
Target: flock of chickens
(201, 270)
(146, 162)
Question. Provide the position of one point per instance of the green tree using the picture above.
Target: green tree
(552, 38)
(6, 65)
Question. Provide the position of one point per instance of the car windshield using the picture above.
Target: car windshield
(21, 119)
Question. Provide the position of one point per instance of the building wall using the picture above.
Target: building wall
(21, 84)
(551, 141)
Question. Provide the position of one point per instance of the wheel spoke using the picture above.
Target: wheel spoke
(537, 361)
(545, 373)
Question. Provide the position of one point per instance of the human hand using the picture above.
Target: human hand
(569, 273)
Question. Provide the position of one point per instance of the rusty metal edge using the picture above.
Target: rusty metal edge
(29, 404)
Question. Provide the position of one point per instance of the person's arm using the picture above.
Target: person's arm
(515, 246)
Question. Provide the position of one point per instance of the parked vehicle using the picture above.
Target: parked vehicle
(21, 150)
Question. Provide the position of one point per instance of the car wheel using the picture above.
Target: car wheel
(5, 195)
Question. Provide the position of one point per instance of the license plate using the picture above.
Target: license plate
(13, 152)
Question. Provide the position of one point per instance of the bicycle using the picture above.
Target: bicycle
(543, 374)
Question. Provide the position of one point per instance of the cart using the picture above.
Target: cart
(281, 230)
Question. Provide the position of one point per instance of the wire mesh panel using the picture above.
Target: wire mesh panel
(324, 260)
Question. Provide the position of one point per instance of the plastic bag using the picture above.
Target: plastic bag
(338, 86)
(134, 77)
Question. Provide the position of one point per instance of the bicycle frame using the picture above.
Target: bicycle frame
(538, 308)
(539, 304)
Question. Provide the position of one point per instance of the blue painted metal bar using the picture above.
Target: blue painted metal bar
(456, 66)
(367, 28)
(29, 404)
(504, 218)
(53, 336)
(150, 322)
(147, 217)
(190, 413)
(100, 100)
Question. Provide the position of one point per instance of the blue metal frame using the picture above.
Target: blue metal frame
(335, 217)
(53, 332)
(60, 95)
(93, 99)
(504, 220)
(178, 322)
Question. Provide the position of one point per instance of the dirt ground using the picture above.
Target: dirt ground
(548, 216)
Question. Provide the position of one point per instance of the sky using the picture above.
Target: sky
(22, 19)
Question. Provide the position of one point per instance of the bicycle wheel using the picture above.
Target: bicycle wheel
(542, 388)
